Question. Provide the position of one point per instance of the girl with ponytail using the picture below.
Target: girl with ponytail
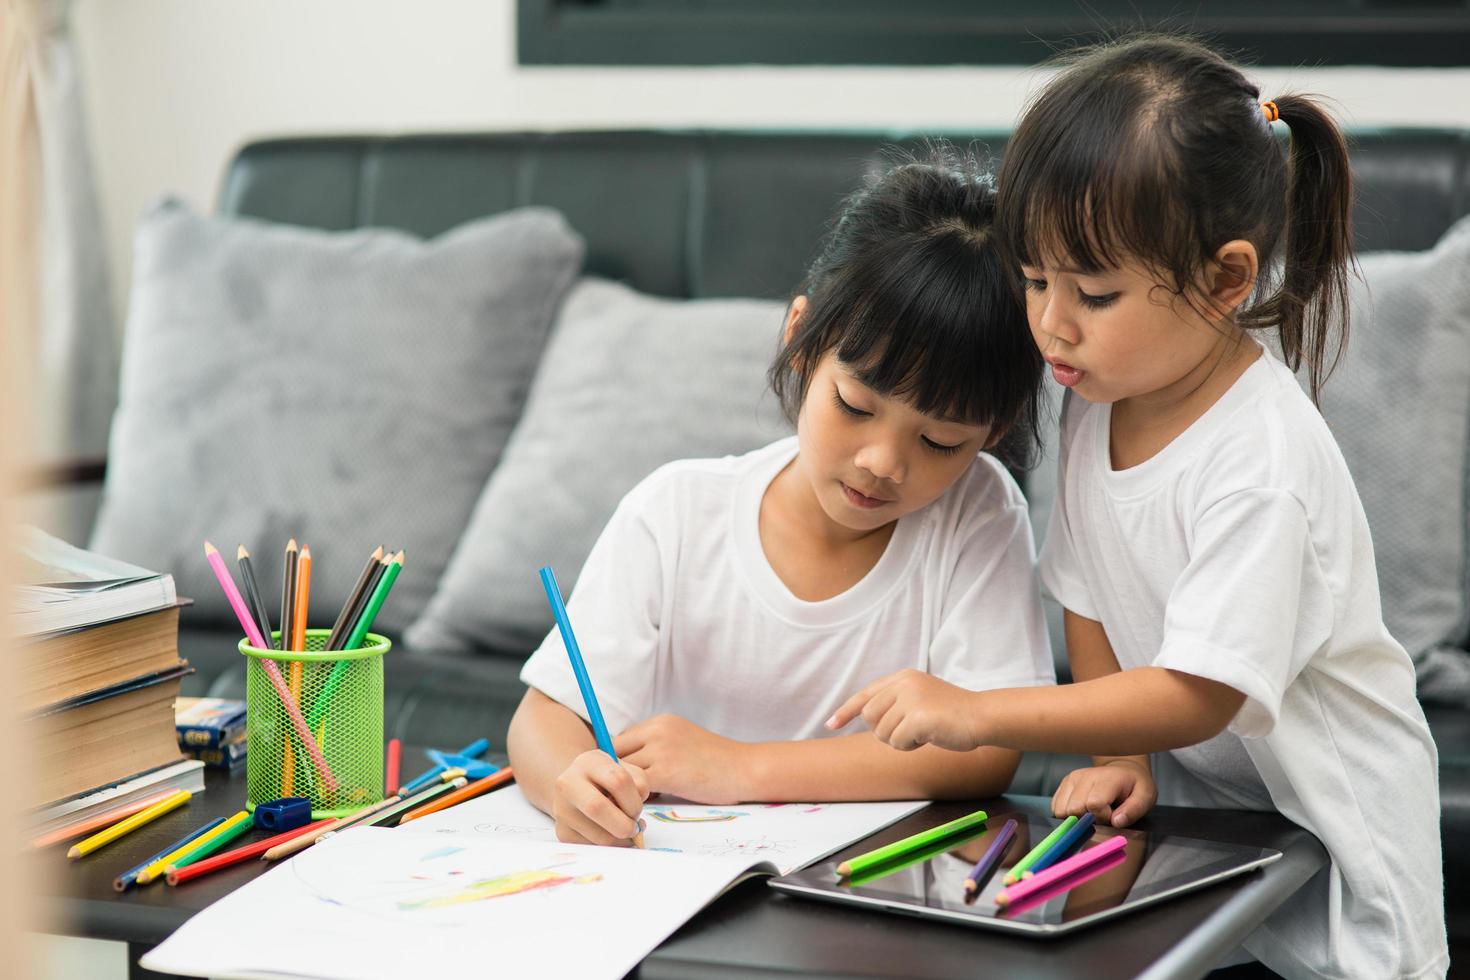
(1207, 543)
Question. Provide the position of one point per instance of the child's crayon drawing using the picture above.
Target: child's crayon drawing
(667, 814)
(500, 886)
(755, 847)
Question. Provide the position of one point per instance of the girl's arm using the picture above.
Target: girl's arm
(681, 758)
(1090, 654)
(543, 740)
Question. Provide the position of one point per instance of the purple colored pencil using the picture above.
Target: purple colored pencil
(990, 860)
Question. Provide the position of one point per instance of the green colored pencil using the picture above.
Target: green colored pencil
(891, 851)
(1033, 855)
(359, 632)
(241, 827)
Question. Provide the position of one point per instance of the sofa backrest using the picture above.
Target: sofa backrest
(699, 214)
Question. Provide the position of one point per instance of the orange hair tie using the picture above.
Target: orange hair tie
(1272, 113)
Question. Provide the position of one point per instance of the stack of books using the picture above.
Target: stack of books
(212, 730)
(97, 675)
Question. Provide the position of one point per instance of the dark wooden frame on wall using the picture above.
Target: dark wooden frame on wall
(1394, 33)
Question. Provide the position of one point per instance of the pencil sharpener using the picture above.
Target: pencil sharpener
(283, 814)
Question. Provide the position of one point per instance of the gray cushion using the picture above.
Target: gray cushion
(1399, 405)
(628, 383)
(348, 389)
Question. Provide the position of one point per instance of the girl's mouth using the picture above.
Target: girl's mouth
(862, 500)
(1067, 376)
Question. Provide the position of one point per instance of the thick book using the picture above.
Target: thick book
(57, 667)
(208, 723)
(102, 737)
(185, 774)
(63, 587)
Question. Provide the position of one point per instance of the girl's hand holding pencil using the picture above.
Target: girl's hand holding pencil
(598, 799)
(911, 708)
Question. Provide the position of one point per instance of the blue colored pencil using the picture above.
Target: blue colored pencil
(474, 750)
(1079, 832)
(128, 878)
(990, 860)
(574, 653)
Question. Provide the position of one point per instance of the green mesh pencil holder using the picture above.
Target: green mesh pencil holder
(315, 723)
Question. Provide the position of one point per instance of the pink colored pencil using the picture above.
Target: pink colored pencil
(98, 822)
(272, 672)
(1061, 869)
(395, 752)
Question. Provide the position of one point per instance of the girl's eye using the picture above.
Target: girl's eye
(940, 447)
(856, 412)
(1035, 285)
(1096, 302)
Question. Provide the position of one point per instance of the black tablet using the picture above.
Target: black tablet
(930, 884)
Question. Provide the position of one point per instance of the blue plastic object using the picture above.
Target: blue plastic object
(284, 814)
(473, 768)
(474, 750)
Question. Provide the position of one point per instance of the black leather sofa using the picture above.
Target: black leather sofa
(702, 214)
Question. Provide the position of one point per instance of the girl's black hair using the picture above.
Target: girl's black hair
(913, 294)
(1157, 148)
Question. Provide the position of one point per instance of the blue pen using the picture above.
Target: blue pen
(1079, 832)
(574, 653)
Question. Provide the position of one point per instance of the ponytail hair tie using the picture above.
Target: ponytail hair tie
(1272, 113)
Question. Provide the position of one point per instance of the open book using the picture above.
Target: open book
(373, 902)
(63, 587)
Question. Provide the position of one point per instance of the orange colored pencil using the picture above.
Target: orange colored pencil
(303, 599)
(101, 820)
(493, 781)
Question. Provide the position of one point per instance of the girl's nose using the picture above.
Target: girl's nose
(883, 460)
(1056, 321)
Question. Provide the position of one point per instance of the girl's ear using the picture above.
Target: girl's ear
(1231, 278)
(794, 314)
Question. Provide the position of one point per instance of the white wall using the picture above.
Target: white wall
(174, 86)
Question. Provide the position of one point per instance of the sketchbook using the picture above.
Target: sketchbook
(789, 835)
(378, 903)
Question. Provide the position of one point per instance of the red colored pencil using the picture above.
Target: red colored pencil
(181, 875)
(395, 753)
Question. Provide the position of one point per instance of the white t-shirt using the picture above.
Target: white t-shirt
(1240, 553)
(678, 611)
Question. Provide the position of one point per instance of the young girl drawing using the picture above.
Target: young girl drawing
(1208, 544)
(728, 599)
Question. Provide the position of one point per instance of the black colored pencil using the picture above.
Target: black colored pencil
(345, 617)
(360, 606)
(288, 595)
(252, 593)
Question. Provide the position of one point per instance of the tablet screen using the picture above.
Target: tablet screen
(1150, 867)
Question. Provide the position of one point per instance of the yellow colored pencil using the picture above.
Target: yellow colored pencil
(158, 868)
(83, 848)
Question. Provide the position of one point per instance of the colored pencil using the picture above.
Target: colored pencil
(1062, 869)
(238, 826)
(418, 799)
(1063, 885)
(129, 824)
(288, 594)
(1078, 833)
(990, 860)
(156, 869)
(1033, 855)
(897, 848)
(579, 667)
(480, 786)
(350, 608)
(128, 877)
(101, 820)
(180, 875)
(395, 756)
(359, 633)
(287, 848)
(474, 750)
(252, 590)
(300, 603)
(272, 672)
